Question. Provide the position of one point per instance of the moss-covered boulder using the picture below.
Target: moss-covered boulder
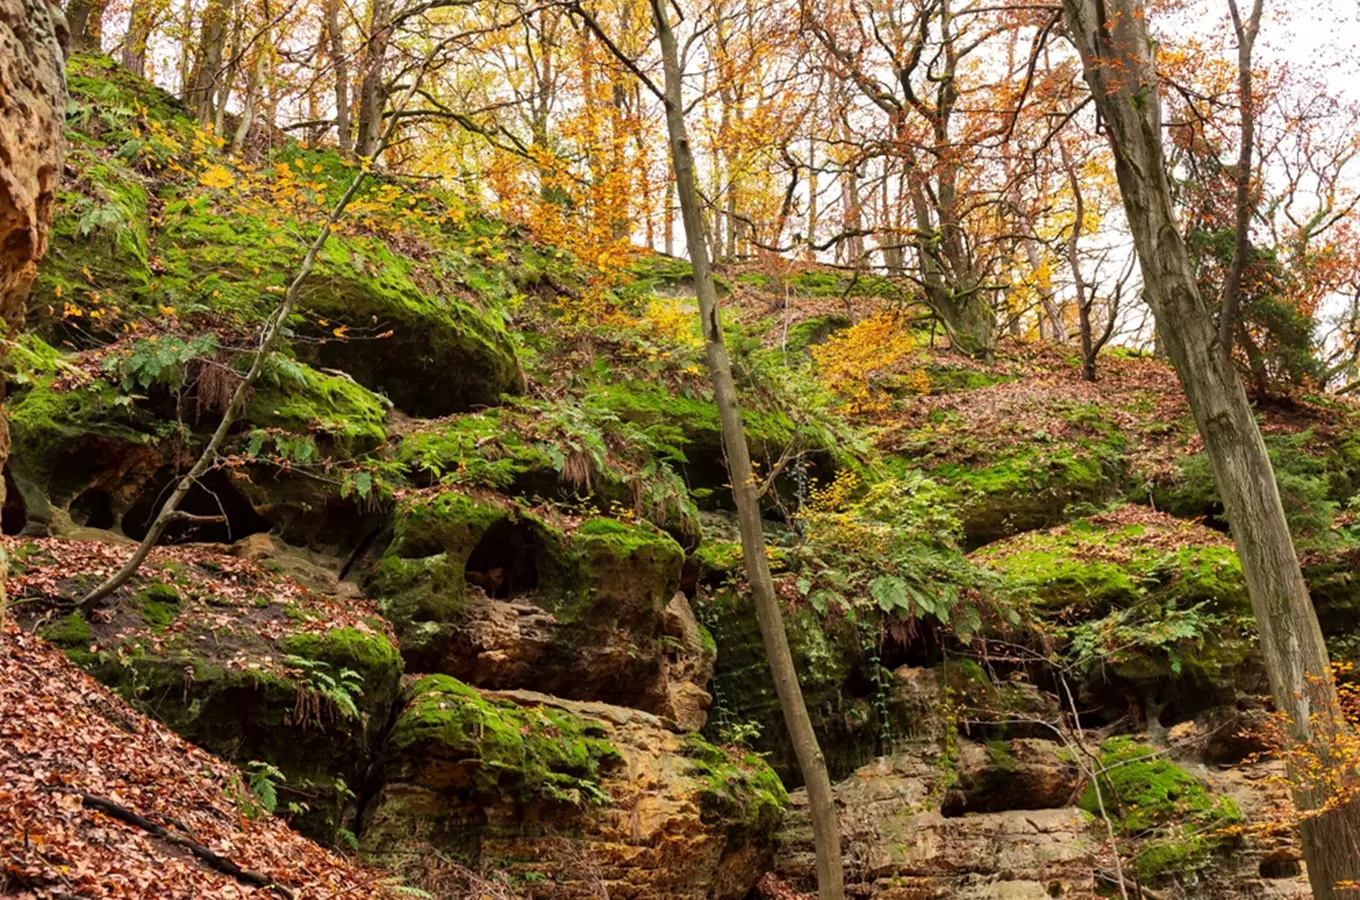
(503, 599)
(1015, 459)
(94, 442)
(244, 662)
(562, 794)
(1174, 825)
(1137, 598)
(567, 451)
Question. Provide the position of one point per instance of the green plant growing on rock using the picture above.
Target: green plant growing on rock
(893, 541)
(1172, 823)
(339, 689)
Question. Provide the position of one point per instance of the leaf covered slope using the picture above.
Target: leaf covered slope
(65, 738)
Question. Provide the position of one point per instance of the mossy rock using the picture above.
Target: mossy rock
(245, 713)
(689, 429)
(70, 432)
(828, 655)
(1032, 486)
(515, 451)
(249, 666)
(431, 355)
(1175, 824)
(346, 419)
(591, 601)
(526, 783)
(509, 751)
(1134, 596)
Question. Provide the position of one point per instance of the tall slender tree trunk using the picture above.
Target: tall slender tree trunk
(1232, 284)
(335, 35)
(670, 213)
(207, 68)
(812, 200)
(85, 18)
(251, 101)
(1088, 352)
(1119, 64)
(373, 89)
(825, 821)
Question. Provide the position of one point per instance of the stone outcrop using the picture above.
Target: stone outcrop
(899, 843)
(32, 110)
(1011, 820)
(504, 600)
(575, 797)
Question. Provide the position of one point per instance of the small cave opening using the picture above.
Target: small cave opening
(94, 509)
(14, 517)
(1275, 867)
(504, 563)
(220, 514)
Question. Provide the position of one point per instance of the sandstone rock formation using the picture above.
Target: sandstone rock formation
(570, 796)
(32, 109)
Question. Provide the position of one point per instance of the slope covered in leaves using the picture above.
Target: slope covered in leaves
(71, 752)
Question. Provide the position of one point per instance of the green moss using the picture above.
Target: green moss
(348, 417)
(1177, 822)
(70, 633)
(159, 604)
(520, 752)
(948, 380)
(740, 789)
(1132, 595)
(478, 450)
(420, 579)
(608, 569)
(376, 660)
(827, 653)
(1021, 486)
(815, 330)
(52, 417)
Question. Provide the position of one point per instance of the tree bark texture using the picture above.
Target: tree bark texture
(1118, 60)
(825, 821)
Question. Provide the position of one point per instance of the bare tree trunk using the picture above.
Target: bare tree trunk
(252, 97)
(1088, 353)
(1119, 65)
(335, 34)
(85, 18)
(212, 44)
(812, 199)
(825, 821)
(1232, 284)
(141, 19)
(227, 80)
(670, 214)
(373, 90)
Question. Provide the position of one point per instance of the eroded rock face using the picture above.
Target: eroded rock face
(583, 795)
(32, 109)
(899, 843)
(506, 601)
(1010, 820)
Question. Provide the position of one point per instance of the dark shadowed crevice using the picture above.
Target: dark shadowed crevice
(14, 517)
(504, 562)
(94, 508)
(1275, 867)
(213, 496)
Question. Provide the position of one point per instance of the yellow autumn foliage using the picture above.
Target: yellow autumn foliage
(856, 363)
